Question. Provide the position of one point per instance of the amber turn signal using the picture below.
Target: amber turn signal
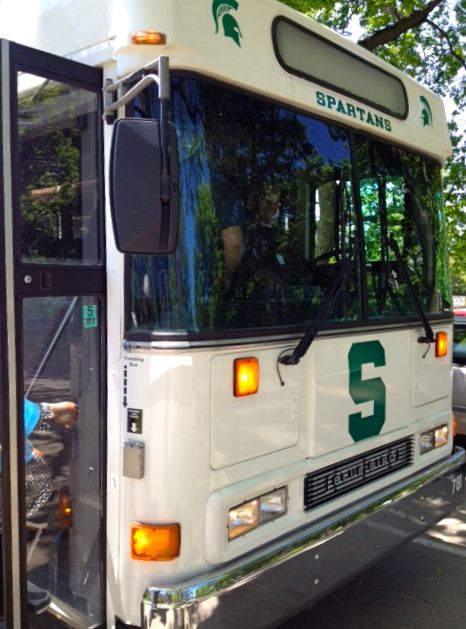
(441, 344)
(65, 509)
(148, 37)
(155, 542)
(246, 376)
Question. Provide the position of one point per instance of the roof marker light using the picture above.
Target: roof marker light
(148, 37)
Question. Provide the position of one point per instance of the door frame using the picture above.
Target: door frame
(85, 280)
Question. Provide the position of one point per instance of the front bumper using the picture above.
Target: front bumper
(277, 581)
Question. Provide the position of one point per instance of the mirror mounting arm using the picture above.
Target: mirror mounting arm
(164, 95)
(117, 95)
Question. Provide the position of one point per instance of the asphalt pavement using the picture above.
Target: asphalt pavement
(419, 586)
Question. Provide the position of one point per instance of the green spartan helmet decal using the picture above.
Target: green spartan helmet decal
(221, 10)
(426, 112)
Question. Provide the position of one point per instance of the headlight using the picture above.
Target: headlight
(243, 518)
(434, 438)
(249, 515)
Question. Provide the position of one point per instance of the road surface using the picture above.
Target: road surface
(419, 586)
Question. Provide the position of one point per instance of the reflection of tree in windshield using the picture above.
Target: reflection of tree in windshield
(208, 277)
(400, 198)
(250, 142)
(254, 212)
(268, 218)
(58, 195)
(266, 163)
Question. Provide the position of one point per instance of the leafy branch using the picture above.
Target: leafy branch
(393, 31)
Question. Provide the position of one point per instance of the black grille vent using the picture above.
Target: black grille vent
(333, 481)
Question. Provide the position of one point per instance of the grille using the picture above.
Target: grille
(333, 481)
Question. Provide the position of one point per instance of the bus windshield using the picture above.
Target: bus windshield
(270, 213)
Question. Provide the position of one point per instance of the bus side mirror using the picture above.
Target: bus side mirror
(144, 201)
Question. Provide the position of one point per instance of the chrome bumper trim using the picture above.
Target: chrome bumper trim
(187, 604)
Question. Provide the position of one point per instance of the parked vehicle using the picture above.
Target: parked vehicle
(459, 371)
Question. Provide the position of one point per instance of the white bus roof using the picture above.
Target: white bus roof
(230, 41)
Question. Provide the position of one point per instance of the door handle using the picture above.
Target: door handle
(45, 280)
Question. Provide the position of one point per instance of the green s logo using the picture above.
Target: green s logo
(371, 390)
(426, 112)
(221, 11)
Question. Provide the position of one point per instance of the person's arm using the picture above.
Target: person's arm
(63, 413)
(39, 417)
(233, 245)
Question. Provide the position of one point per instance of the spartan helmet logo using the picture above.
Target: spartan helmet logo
(426, 112)
(221, 10)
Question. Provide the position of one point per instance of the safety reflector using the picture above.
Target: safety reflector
(152, 38)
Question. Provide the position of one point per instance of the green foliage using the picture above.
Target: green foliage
(49, 176)
(427, 40)
(209, 261)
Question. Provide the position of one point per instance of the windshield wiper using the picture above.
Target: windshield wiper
(306, 341)
(429, 336)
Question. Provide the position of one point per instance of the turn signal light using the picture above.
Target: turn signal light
(455, 426)
(441, 344)
(246, 376)
(148, 37)
(65, 509)
(155, 542)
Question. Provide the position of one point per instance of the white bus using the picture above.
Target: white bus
(222, 237)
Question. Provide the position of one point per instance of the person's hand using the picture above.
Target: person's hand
(65, 413)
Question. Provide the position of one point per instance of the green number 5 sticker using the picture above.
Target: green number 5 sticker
(370, 390)
(89, 317)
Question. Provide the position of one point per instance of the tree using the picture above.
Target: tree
(427, 40)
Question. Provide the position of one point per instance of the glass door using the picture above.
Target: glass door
(58, 293)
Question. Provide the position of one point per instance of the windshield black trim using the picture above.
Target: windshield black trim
(269, 335)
